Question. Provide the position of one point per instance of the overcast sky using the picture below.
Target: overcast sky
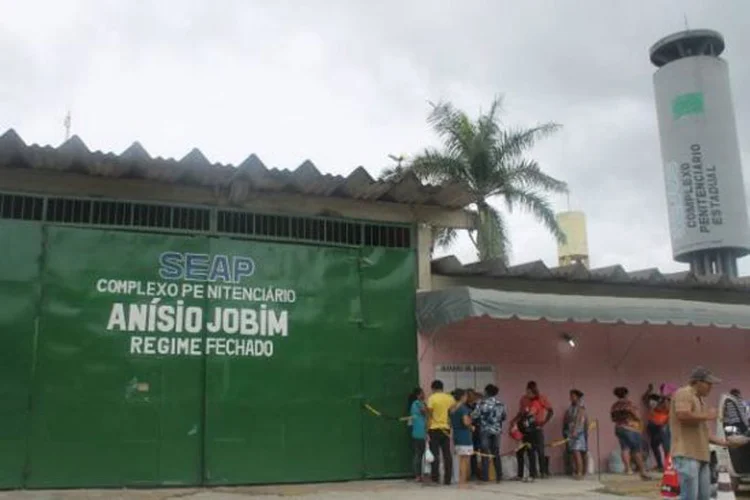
(346, 82)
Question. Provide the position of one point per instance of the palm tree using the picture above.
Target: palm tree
(490, 161)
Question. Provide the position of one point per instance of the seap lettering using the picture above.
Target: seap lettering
(205, 267)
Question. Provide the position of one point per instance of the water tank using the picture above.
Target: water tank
(708, 219)
(576, 248)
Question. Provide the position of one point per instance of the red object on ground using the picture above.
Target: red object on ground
(670, 482)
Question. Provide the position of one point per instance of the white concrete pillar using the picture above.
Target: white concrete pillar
(424, 256)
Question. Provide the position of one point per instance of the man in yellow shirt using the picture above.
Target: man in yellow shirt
(439, 405)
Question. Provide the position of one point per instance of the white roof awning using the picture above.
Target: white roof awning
(440, 307)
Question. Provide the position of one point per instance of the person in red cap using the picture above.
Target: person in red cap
(689, 416)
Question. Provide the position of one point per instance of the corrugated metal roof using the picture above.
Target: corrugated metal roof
(250, 175)
(537, 270)
(441, 307)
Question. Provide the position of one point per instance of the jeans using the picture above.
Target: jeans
(490, 445)
(419, 446)
(534, 451)
(695, 478)
(667, 440)
(629, 439)
(659, 439)
(440, 441)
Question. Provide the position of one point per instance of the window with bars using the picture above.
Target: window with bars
(124, 214)
(146, 216)
(13, 206)
(312, 229)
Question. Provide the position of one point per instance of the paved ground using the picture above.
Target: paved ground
(630, 486)
(556, 488)
(611, 488)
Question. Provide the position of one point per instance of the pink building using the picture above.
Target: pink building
(484, 323)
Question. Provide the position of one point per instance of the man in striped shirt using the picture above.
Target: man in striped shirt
(735, 415)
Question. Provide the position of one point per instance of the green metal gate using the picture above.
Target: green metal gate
(139, 359)
(19, 300)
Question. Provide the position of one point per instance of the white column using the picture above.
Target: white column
(424, 256)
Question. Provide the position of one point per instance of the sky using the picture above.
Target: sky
(347, 82)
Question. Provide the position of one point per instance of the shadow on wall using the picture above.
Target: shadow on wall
(604, 356)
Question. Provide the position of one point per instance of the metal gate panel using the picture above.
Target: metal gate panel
(292, 414)
(389, 367)
(19, 296)
(103, 415)
(105, 410)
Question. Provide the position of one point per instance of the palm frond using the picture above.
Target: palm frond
(527, 174)
(514, 142)
(489, 159)
(478, 153)
(492, 236)
(488, 126)
(435, 167)
(453, 126)
(444, 237)
(539, 207)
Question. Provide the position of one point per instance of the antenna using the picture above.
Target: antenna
(397, 159)
(67, 124)
(687, 26)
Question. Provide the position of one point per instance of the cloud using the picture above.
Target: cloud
(346, 83)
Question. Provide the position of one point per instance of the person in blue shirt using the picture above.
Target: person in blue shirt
(418, 423)
(490, 414)
(462, 438)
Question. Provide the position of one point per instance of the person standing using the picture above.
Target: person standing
(657, 425)
(417, 420)
(462, 429)
(527, 426)
(574, 430)
(473, 401)
(490, 413)
(536, 404)
(628, 429)
(439, 405)
(736, 420)
(688, 420)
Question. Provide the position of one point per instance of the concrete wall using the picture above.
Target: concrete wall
(605, 356)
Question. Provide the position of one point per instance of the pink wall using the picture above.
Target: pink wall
(605, 356)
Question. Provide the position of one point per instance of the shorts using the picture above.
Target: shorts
(464, 451)
(578, 443)
(629, 439)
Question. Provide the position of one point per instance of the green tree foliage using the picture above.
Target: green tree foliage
(492, 162)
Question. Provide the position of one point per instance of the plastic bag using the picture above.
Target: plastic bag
(615, 463)
(428, 456)
(510, 466)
